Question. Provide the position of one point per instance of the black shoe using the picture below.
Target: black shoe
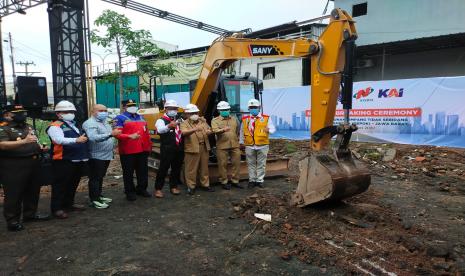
(259, 184)
(227, 186)
(37, 217)
(15, 227)
(144, 194)
(190, 191)
(131, 197)
(251, 185)
(209, 189)
(237, 185)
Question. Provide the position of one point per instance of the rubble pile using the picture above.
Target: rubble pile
(359, 237)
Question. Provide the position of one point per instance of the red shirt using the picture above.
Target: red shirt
(127, 145)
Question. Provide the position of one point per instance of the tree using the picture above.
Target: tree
(120, 37)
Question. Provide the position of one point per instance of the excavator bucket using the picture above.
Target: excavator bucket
(324, 177)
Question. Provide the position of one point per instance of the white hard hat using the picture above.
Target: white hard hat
(65, 106)
(171, 103)
(253, 102)
(191, 108)
(223, 105)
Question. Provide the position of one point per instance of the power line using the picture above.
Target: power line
(26, 65)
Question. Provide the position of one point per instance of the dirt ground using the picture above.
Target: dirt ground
(410, 221)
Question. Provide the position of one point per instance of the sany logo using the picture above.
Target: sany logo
(390, 93)
(264, 50)
(363, 93)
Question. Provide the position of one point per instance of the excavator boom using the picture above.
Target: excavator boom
(329, 173)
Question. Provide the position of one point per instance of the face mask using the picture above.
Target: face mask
(102, 116)
(254, 111)
(19, 118)
(171, 113)
(68, 117)
(194, 117)
(132, 109)
(224, 113)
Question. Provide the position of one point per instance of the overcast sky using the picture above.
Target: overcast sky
(31, 38)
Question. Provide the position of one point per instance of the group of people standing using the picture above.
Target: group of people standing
(184, 143)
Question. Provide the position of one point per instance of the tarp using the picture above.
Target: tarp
(429, 111)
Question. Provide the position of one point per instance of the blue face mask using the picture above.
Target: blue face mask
(254, 111)
(224, 113)
(102, 116)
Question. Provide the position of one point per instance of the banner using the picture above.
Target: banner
(428, 111)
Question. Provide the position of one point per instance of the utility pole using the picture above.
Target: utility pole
(12, 63)
(26, 65)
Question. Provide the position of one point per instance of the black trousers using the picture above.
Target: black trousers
(97, 171)
(66, 179)
(169, 157)
(137, 162)
(21, 187)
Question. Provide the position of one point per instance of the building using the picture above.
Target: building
(400, 39)
(397, 39)
(275, 73)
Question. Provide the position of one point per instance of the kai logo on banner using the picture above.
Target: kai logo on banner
(363, 93)
(391, 93)
(264, 50)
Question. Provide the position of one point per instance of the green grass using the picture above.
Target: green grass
(291, 148)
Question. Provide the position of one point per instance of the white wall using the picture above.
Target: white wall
(394, 20)
(288, 72)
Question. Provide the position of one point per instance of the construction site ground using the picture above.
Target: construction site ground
(411, 221)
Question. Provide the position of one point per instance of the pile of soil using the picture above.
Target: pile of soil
(410, 221)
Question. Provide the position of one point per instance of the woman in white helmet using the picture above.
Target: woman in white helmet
(255, 131)
(226, 129)
(69, 155)
(195, 131)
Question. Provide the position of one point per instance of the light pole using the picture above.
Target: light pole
(103, 60)
(12, 58)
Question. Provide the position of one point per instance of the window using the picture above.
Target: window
(268, 73)
(238, 93)
(359, 9)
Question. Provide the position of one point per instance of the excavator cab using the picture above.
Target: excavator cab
(237, 90)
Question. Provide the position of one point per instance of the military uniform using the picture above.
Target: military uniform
(227, 145)
(196, 148)
(19, 169)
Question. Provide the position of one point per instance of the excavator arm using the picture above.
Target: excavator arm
(327, 174)
(327, 66)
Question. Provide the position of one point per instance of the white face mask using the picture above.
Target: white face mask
(68, 117)
(132, 109)
(171, 113)
(194, 117)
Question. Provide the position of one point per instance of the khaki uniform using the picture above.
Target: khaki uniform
(19, 172)
(227, 145)
(196, 148)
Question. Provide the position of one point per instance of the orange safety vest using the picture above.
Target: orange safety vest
(259, 137)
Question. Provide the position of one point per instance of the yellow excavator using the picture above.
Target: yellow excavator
(329, 172)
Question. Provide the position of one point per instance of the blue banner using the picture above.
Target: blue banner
(428, 111)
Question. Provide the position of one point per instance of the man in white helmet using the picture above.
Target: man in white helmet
(255, 131)
(226, 129)
(195, 131)
(69, 156)
(171, 149)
